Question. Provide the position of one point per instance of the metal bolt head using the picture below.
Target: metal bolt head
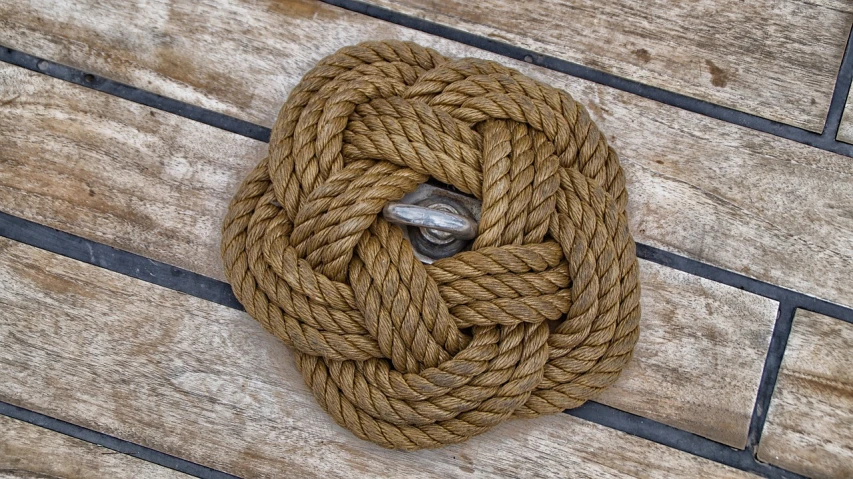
(437, 222)
(437, 236)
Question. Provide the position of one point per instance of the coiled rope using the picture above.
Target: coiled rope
(539, 316)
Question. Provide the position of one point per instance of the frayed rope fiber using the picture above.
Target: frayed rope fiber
(539, 316)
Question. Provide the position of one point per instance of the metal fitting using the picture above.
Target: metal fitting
(437, 222)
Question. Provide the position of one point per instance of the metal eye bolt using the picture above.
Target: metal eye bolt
(437, 222)
(440, 222)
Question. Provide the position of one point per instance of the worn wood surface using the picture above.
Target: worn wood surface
(699, 359)
(845, 129)
(809, 426)
(158, 185)
(117, 172)
(206, 383)
(769, 58)
(766, 57)
(32, 452)
(753, 203)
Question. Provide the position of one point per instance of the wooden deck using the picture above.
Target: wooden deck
(126, 129)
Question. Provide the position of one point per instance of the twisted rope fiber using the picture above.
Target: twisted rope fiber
(540, 316)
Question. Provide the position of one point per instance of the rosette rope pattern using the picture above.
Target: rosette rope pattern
(539, 316)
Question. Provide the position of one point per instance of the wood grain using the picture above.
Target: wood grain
(159, 185)
(31, 452)
(809, 426)
(117, 172)
(845, 129)
(699, 359)
(732, 197)
(769, 58)
(203, 382)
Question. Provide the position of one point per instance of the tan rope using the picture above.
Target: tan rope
(540, 316)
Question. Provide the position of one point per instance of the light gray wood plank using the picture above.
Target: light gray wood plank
(845, 129)
(31, 452)
(203, 382)
(769, 58)
(117, 172)
(745, 201)
(159, 185)
(809, 426)
(700, 356)
(773, 59)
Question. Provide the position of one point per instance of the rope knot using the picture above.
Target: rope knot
(540, 315)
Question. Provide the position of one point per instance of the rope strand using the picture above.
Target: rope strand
(540, 316)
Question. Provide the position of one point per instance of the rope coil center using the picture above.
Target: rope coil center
(539, 316)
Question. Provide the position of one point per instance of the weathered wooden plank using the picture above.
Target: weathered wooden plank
(699, 360)
(203, 382)
(117, 172)
(845, 129)
(158, 185)
(809, 426)
(29, 452)
(771, 59)
(745, 201)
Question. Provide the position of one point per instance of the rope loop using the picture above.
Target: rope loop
(539, 316)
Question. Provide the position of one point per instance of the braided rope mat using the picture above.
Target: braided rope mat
(540, 316)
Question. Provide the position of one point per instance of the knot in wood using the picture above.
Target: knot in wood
(539, 316)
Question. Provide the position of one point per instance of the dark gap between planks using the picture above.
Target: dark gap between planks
(772, 364)
(165, 275)
(110, 442)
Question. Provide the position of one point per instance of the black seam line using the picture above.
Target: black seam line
(111, 442)
(136, 95)
(783, 295)
(116, 260)
(678, 439)
(839, 94)
(660, 95)
(222, 121)
(155, 272)
(594, 412)
(770, 373)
